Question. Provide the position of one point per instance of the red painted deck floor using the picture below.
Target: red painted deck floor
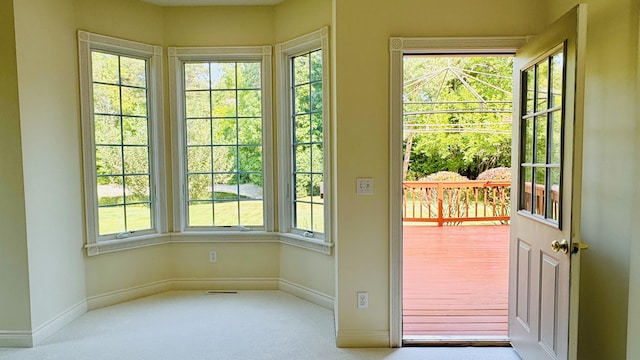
(455, 280)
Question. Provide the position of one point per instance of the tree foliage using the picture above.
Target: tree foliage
(458, 112)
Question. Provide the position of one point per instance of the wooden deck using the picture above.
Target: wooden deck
(455, 281)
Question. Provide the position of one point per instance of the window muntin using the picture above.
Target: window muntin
(541, 124)
(223, 143)
(122, 147)
(307, 145)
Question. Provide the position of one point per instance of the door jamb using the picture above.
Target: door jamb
(398, 47)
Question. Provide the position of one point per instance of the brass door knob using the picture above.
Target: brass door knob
(561, 245)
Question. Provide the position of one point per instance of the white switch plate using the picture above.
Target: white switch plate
(364, 186)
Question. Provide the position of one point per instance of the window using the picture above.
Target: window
(222, 113)
(121, 119)
(303, 135)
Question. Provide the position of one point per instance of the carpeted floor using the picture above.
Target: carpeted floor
(186, 325)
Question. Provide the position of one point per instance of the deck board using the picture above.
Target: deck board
(455, 280)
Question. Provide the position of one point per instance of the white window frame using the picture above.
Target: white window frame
(177, 57)
(96, 244)
(317, 40)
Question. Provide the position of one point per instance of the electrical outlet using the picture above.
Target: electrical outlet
(364, 186)
(363, 300)
(213, 256)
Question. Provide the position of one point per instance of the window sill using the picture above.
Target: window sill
(306, 243)
(105, 247)
(109, 246)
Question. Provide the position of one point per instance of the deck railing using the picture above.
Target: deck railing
(454, 202)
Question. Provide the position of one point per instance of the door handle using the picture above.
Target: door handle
(560, 246)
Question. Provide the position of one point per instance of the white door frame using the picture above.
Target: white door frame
(398, 47)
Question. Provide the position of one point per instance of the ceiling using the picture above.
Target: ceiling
(212, 2)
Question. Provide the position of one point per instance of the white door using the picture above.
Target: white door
(544, 248)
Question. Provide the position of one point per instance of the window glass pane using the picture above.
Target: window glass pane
(250, 131)
(540, 181)
(138, 217)
(317, 127)
(224, 103)
(225, 187)
(541, 140)
(106, 99)
(109, 160)
(133, 72)
(249, 103)
(249, 75)
(250, 158)
(201, 213)
(318, 217)
(557, 72)
(196, 76)
(107, 130)
(556, 136)
(302, 218)
(542, 81)
(316, 65)
(301, 69)
(316, 96)
(526, 188)
(110, 190)
(555, 194)
(224, 159)
(199, 186)
(529, 76)
(225, 213)
(303, 187)
(528, 141)
(316, 180)
(111, 220)
(198, 104)
(136, 160)
(135, 131)
(223, 75)
(198, 131)
(104, 67)
(137, 188)
(134, 101)
(302, 158)
(224, 131)
(301, 99)
(302, 129)
(199, 159)
(317, 158)
(251, 213)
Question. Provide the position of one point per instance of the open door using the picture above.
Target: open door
(544, 242)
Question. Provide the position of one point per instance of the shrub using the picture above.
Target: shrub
(453, 200)
(499, 173)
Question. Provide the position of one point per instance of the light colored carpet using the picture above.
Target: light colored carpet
(185, 325)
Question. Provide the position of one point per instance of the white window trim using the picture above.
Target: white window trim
(177, 56)
(284, 52)
(153, 54)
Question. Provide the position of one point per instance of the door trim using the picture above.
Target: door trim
(398, 47)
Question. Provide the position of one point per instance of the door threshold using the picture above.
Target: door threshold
(454, 340)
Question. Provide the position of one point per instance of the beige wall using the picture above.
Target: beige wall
(609, 182)
(48, 88)
(362, 30)
(14, 271)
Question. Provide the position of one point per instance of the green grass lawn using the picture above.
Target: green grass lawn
(225, 214)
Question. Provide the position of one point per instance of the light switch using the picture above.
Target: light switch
(364, 186)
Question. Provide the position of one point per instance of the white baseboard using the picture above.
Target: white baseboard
(308, 294)
(362, 339)
(15, 339)
(58, 322)
(132, 293)
(225, 284)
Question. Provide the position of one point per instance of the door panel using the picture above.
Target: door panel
(548, 92)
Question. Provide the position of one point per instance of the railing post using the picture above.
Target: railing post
(440, 209)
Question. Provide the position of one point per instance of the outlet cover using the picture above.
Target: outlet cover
(213, 256)
(364, 186)
(363, 300)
